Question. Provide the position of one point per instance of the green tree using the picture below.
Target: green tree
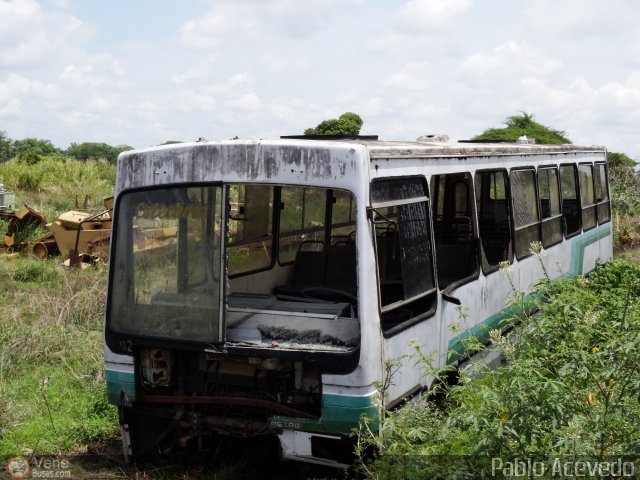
(620, 160)
(523, 124)
(624, 181)
(33, 150)
(348, 123)
(7, 148)
(95, 151)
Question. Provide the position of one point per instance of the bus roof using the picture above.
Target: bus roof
(439, 146)
(432, 146)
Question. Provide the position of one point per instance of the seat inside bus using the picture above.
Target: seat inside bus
(322, 270)
(455, 249)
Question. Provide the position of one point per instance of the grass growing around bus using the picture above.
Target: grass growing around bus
(54, 185)
(570, 388)
(52, 389)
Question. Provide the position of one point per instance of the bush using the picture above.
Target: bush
(570, 387)
(29, 181)
(55, 184)
(625, 190)
(52, 390)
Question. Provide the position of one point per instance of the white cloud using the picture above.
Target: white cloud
(413, 76)
(235, 94)
(282, 62)
(298, 19)
(49, 35)
(11, 108)
(17, 86)
(98, 72)
(509, 60)
(202, 70)
(101, 104)
(419, 15)
(226, 21)
(577, 17)
(230, 24)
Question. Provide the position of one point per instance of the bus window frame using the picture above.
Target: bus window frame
(273, 236)
(493, 268)
(471, 199)
(576, 183)
(594, 205)
(606, 202)
(302, 230)
(424, 315)
(527, 253)
(123, 342)
(327, 227)
(550, 218)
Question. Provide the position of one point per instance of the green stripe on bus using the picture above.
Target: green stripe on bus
(119, 385)
(340, 414)
(579, 245)
(457, 348)
(481, 331)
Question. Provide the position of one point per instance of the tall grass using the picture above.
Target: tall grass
(569, 389)
(52, 185)
(52, 390)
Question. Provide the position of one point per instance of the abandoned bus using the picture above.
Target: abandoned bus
(257, 288)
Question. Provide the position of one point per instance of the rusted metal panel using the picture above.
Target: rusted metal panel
(24, 218)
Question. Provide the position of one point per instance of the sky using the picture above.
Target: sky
(143, 72)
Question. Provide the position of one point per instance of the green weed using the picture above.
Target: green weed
(570, 388)
(55, 184)
(51, 367)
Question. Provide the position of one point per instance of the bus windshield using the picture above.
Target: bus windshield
(259, 266)
(166, 273)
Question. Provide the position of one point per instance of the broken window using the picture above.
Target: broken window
(550, 213)
(453, 227)
(308, 301)
(250, 238)
(493, 218)
(587, 196)
(570, 203)
(302, 218)
(400, 215)
(602, 192)
(525, 211)
(343, 217)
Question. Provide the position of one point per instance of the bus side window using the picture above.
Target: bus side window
(302, 219)
(570, 203)
(525, 211)
(587, 196)
(454, 232)
(493, 218)
(602, 193)
(550, 212)
(400, 215)
(250, 241)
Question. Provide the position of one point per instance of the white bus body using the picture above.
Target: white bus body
(259, 287)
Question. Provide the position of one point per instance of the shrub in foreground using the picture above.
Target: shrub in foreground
(570, 387)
